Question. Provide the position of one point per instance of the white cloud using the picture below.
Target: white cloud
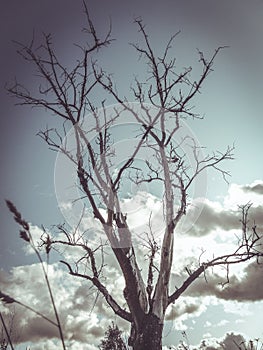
(207, 335)
(222, 323)
(36, 233)
(185, 306)
(74, 300)
(234, 307)
(242, 194)
(247, 288)
(213, 233)
(229, 341)
(207, 324)
(49, 344)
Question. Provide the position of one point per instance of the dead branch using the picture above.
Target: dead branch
(249, 247)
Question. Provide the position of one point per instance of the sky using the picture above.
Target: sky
(231, 103)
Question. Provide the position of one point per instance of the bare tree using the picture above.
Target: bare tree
(165, 98)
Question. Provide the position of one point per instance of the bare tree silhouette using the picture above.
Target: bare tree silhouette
(165, 98)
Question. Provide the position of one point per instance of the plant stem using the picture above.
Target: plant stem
(50, 292)
(6, 331)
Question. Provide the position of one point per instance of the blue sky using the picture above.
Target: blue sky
(231, 102)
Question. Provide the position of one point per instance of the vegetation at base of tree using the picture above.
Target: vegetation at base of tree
(113, 339)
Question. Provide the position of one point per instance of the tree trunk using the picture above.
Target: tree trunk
(149, 334)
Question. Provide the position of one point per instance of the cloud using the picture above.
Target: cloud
(213, 217)
(222, 323)
(203, 216)
(51, 344)
(207, 324)
(36, 233)
(242, 194)
(182, 308)
(256, 187)
(84, 319)
(245, 288)
(248, 288)
(140, 209)
(230, 341)
(34, 329)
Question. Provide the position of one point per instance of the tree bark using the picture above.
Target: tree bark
(149, 334)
